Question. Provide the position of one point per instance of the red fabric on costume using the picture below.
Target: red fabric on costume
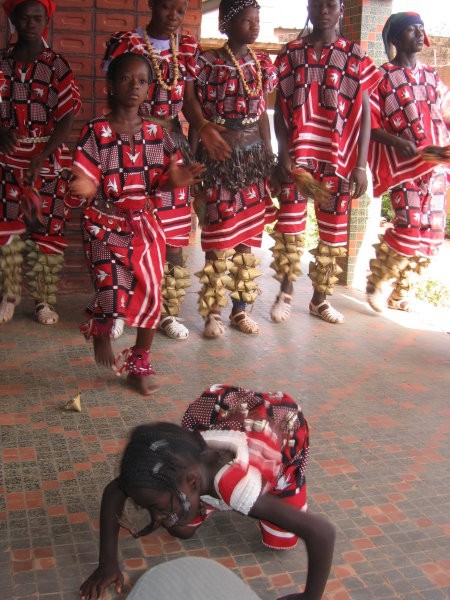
(269, 437)
(234, 217)
(174, 207)
(36, 96)
(321, 103)
(410, 104)
(124, 241)
(10, 5)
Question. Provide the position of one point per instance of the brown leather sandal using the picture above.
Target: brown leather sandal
(244, 323)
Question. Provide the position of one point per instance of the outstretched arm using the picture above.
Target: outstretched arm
(108, 571)
(317, 533)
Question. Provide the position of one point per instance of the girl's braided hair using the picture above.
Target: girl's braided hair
(157, 455)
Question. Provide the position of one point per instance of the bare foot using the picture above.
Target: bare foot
(103, 351)
(144, 384)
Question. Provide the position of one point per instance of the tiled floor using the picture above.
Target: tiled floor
(375, 391)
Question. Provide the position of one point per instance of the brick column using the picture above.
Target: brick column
(363, 22)
(80, 30)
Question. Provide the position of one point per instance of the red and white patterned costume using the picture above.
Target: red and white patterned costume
(321, 103)
(269, 436)
(237, 198)
(409, 104)
(35, 97)
(124, 241)
(173, 207)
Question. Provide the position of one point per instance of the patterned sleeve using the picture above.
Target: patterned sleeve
(87, 156)
(269, 71)
(370, 75)
(69, 99)
(190, 50)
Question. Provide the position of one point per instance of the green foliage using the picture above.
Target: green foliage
(386, 208)
(434, 291)
(311, 232)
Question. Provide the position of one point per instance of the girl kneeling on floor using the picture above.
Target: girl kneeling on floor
(237, 449)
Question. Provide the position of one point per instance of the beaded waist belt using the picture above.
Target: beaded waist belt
(236, 123)
(34, 140)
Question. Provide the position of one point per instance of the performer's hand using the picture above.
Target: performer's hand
(406, 149)
(216, 146)
(8, 140)
(358, 182)
(82, 186)
(96, 584)
(31, 174)
(180, 175)
(284, 167)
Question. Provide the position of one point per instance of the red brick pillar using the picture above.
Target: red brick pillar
(363, 23)
(80, 30)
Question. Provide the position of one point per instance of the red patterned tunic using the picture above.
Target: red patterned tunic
(173, 207)
(35, 97)
(410, 104)
(269, 436)
(237, 197)
(124, 241)
(321, 102)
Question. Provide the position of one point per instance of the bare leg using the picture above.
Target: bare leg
(143, 383)
(103, 351)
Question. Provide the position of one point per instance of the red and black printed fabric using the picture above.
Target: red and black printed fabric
(234, 216)
(124, 242)
(410, 104)
(271, 437)
(321, 100)
(174, 207)
(36, 96)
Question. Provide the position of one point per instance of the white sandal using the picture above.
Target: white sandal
(281, 308)
(214, 326)
(328, 313)
(46, 314)
(7, 307)
(244, 323)
(172, 327)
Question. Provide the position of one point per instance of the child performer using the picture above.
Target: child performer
(232, 85)
(240, 450)
(39, 99)
(322, 122)
(120, 161)
(410, 112)
(172, 59)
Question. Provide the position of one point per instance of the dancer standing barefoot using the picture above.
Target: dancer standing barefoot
(120, 162)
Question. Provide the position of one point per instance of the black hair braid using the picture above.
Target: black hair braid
(156, 456)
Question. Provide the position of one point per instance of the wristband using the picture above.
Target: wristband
(202, 126)
(359, 168)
